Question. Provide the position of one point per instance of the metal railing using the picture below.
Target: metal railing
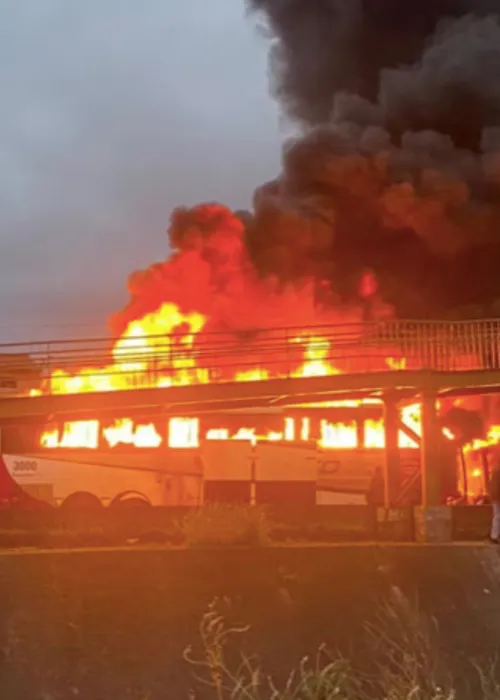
(97, 364)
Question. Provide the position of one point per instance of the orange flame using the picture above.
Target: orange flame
(84, 433)
(334, 435)
(124, 432)
(185, 433)
(492, 438)
(143, 357)
(316, 354)
(162, 349)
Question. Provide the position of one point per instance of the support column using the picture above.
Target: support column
(433, 520)
(429, 451)
(392, 461)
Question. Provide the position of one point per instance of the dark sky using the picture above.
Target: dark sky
(113, 112)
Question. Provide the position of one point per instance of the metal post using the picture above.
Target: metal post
(429, 450)
(391, 462)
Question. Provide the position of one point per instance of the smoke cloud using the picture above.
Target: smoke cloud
(323, 47)
(397, 168)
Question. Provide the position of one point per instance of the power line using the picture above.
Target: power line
(34, 324)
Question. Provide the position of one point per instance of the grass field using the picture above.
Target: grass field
(114, 623)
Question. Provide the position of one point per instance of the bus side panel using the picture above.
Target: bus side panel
(236, 492)
(229, 460)
(228, 467)
(67, 477)
(285, 473)
(347, 472)
(344, 475)
(56, 479)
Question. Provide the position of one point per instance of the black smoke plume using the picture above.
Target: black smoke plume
(397, 168)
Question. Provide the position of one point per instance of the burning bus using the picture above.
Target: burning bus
(310, 455)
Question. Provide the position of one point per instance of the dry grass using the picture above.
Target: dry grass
(403, 641)
(222, 525)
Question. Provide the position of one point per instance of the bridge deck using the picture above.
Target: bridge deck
(360, 360)
(234, 395)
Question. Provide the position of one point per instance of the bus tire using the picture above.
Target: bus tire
(130, 499)
(82, 502)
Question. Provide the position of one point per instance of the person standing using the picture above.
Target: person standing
(495, 502)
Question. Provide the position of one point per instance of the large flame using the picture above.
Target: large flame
(185, 433)
(146, 347)
(139, 359)
(160, 351)
(124, 432)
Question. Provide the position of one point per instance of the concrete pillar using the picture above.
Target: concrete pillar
(392, 461)
(432, 521)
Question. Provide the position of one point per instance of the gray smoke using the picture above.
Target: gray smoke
(397, 168)
(322, 47)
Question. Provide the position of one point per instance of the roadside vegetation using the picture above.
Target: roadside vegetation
(213, 526)
(222, 525)
(407, 664)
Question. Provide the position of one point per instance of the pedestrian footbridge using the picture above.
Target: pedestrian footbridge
(260, 367)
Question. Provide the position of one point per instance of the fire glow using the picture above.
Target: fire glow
(185, 433)
(142, 359)
(205, 315)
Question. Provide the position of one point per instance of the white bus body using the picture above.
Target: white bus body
(55, 478)
(267, 471)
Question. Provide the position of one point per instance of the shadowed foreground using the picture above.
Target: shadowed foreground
(113, 624)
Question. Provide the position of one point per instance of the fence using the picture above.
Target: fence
(97, 364)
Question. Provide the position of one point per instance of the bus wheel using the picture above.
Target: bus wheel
(130, 499)
(82, 502)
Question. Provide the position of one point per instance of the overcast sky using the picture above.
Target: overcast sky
(112, 113)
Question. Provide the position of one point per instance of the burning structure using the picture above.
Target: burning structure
(387, 205)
